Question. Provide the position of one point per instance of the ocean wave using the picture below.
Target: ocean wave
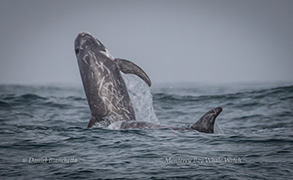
(257, 94)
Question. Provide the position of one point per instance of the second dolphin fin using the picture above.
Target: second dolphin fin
(206, 122)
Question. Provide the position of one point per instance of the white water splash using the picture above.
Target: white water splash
(141, 98)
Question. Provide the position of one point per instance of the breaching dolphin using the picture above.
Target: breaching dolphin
(107, 93)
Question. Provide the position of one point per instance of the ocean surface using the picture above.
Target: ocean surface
(44, 136)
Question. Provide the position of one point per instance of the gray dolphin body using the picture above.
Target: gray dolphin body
(204, 124)
(107, 93)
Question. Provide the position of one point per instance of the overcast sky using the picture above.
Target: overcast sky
(173, 41)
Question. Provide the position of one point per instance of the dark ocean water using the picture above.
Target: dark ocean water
(44, 136)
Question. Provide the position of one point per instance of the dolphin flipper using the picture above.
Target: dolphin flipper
(206, 122)
(129, 67)
(92, 122)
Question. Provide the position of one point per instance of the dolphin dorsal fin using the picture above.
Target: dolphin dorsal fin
(206, 122)
(129, 67)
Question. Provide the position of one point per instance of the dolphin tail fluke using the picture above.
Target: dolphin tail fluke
(129, 67)
(206, 122)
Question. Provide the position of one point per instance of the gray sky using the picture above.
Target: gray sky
(173, 41)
